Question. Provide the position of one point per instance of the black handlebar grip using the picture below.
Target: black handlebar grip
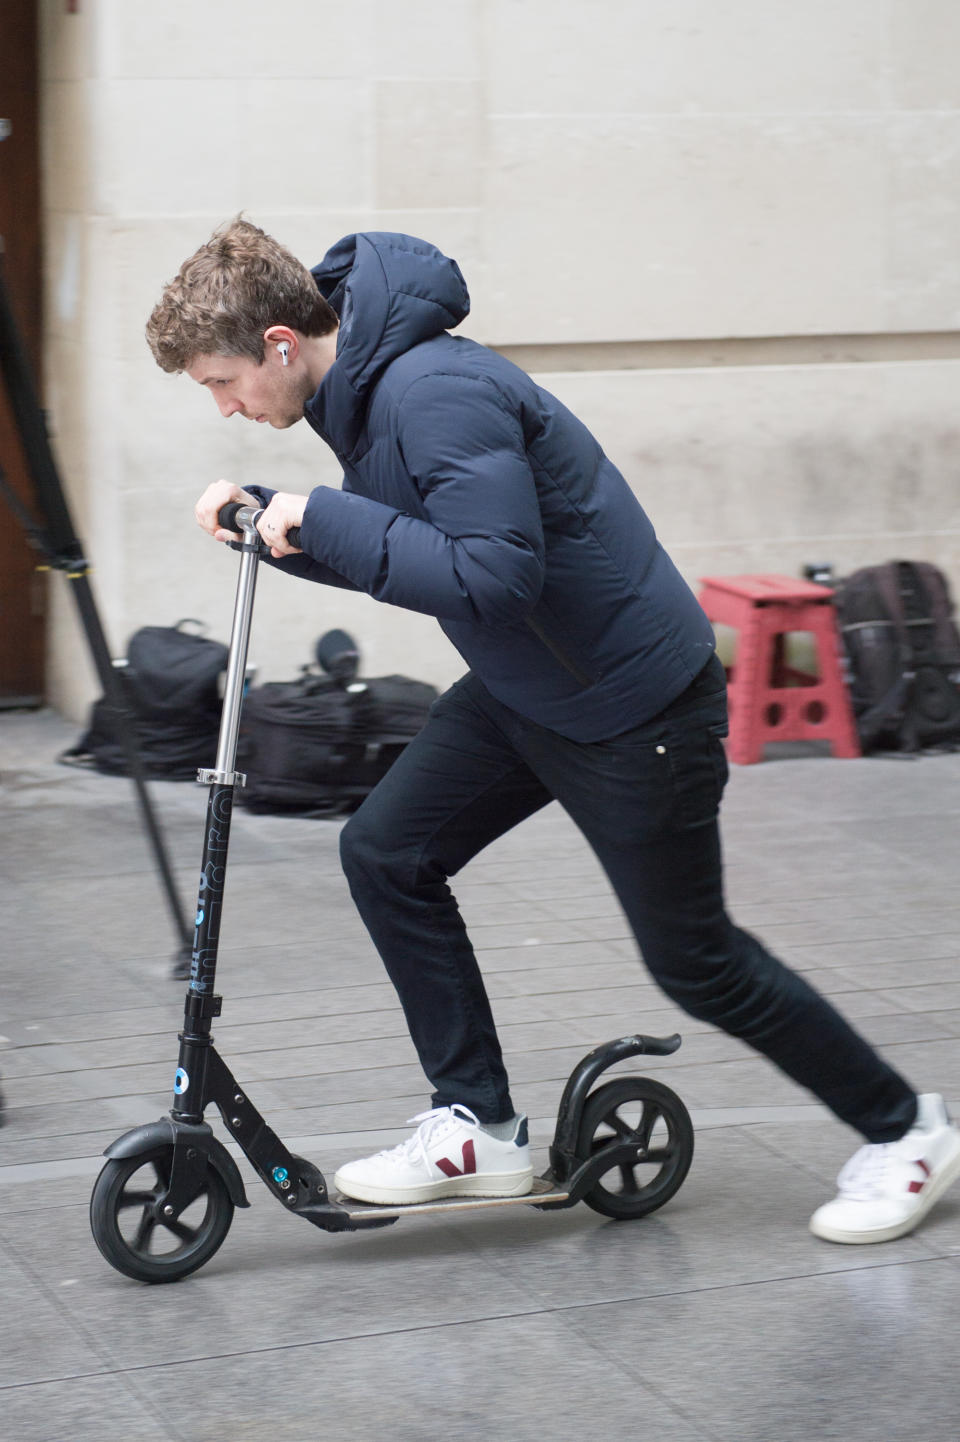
(227, 515)
(227, 518)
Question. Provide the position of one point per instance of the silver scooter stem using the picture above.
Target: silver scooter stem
(224, 772)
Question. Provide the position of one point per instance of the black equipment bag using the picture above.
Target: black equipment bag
(903, 656)
(172, 684)
(318, 745)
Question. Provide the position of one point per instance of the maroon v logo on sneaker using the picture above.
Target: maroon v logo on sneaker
(919, 1186)
(469, 1162)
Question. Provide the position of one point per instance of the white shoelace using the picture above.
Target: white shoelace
(863, 1177)
(429, 1124)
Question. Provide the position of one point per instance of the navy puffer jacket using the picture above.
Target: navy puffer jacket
(473, 495)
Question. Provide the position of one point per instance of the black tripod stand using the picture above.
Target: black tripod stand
(55, 538)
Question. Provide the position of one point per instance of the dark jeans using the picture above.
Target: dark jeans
(647, 803)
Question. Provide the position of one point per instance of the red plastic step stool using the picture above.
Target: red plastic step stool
(769, 700)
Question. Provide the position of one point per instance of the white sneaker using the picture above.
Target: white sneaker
(886, 1189)
(449, 1155)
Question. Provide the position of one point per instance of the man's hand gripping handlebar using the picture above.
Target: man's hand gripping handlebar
(278, 523)
(236, 514)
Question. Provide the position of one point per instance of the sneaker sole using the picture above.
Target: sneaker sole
(931, 1195)
(511, 1184)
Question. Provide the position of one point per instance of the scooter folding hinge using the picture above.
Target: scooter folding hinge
(199, 1004)
(221, 778)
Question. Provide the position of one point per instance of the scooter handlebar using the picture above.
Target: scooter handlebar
(228, 516)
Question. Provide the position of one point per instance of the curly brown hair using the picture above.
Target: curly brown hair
(228, 293)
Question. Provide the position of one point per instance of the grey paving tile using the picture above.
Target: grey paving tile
(934, 918)
(817, 930)
(34, 1028)
(850, 1357)
(38, 1341)
(276, 1282)
(734, 1083)
(391, 1053)
(93, 1085)
(950, 1021)
(741, 1216)
(821, 1150)
(889, 1027)
(246, 1001)
(644, 1004)
(301, 1106)
(84, 1409)
(859, 1004)
(870, 953)
(906, 972)
(925, 998)
(540, 930)
(66, 1119)
(54, 1060)
(515, 1378)
(848, 869)
(536, 953)
(931, 1065)
(531, 980)
(23, 1149)
(590, 885)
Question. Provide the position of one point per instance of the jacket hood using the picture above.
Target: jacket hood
(391, 292)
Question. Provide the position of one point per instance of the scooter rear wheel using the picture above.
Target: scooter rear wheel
(131, 1230)
(654, 1119)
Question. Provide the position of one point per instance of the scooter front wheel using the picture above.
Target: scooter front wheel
(135, 1236)
(652, 1119)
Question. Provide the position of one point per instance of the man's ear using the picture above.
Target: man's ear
(282, 341)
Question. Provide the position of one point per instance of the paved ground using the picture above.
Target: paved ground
(717, 1318)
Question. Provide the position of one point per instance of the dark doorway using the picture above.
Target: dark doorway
(22, 587)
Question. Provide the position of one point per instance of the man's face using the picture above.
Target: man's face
(266, 393)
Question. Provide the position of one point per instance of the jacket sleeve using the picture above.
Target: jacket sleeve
(303, 565)
(476, 551)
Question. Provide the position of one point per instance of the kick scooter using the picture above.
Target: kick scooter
(164, 1201)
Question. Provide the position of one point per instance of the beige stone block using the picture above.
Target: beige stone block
(147, 252)
(66, 138)
(175, 40)
(305, 40)
(170, 442)
(170, 569)
(741, 468)
(71, 681)
(426, 40)
(924, 39)
(289, 614)
(291, 39)
(606, 228)
(685, 56)
(65, 41)
(67, 408)
(169, 147)
(923, 222)
(65, 259)
(768, 468)
(309, 234)
(307, 147)
(428, 144)
(456, 232)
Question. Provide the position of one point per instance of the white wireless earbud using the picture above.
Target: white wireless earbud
(284, 350)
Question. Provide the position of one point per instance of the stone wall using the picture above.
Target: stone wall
(726, 235)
